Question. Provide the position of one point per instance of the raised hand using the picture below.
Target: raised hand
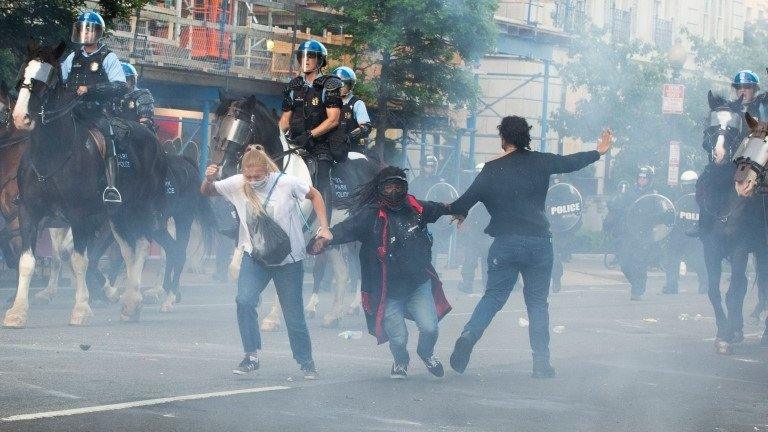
(606, 141)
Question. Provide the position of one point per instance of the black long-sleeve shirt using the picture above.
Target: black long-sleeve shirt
(514, 189)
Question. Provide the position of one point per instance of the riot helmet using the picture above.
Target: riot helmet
(308, 50)
(88, 29)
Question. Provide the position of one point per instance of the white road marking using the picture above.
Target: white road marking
(136, 404)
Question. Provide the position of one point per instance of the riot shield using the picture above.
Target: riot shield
(563, 206)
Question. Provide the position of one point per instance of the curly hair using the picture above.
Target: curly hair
(515, 130)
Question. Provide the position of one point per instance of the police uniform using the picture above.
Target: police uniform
(308, 104)
(138, 106)
(354, 116)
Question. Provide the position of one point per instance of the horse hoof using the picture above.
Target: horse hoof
(331, 322)
(722, 347)
(130, 316)
(270, 326)
(15, 320)
(43, 296)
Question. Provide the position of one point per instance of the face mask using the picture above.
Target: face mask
(395, 197)
(258, 184)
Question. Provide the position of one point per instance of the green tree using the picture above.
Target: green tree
(418, 48)
(47, 21)
(624, 86)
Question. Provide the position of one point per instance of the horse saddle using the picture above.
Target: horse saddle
(96, 139)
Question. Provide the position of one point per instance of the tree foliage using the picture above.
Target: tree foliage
(624, 87)
(48, 22)
(413, 54)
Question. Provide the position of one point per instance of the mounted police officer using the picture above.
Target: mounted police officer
(97, 76)
(354, 115)
(311, 116)
(746, 85)
(137, 105)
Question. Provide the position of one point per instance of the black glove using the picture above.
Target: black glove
(304, 140)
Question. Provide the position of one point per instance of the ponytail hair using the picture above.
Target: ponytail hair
(255, 156)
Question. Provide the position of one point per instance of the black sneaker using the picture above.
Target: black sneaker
(461, 353)
(310, 371)
(249, 364)
(434, 366)
(542, 369)
(399, 371)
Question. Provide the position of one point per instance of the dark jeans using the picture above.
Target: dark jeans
(509, 256)
(421, 306)
(288, 278)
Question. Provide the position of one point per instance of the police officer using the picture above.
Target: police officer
(136, 105)
(311, 115)
(354, 114)
(426, 179)
(681, 246)
(97, 76)
(562, 225)
(746, 85)
(634, 252)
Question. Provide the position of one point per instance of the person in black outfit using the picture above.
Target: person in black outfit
(398, 279)
(513, 188)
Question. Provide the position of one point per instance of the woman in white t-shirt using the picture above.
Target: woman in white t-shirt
(260, 181)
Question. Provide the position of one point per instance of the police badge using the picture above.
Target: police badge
(94, 66)
(315, 101)
(131, 104)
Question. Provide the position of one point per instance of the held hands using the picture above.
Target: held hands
(317, 245)
(606, 141)
(459, 220)
(211, 172)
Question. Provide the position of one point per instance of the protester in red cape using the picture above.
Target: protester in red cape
(513, 188)
(399, 280)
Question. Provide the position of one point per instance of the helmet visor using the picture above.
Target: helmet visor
(86, 33)
(308, 60)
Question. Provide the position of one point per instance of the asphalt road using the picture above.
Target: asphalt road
(621, 366)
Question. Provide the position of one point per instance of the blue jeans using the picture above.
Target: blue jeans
(421, 306)
(509, 256)
(288, 278)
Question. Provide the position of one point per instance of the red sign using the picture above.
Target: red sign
(672, 98)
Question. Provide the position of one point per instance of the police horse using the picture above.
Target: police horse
(750, 178)
(730, 226)
(13, 143)
(62, 174)
(247, 121)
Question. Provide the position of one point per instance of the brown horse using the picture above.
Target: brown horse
(13, 143)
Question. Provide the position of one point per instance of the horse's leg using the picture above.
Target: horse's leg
(339, 283)
(713, 259)
(272, 321)
(100, 288)
(761, 268)
(734, 298)
(131, 298)
(57, 239)
(16, 316)
(176, 263)
(82, 309)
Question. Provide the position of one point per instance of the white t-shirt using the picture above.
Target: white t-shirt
(283, 207)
